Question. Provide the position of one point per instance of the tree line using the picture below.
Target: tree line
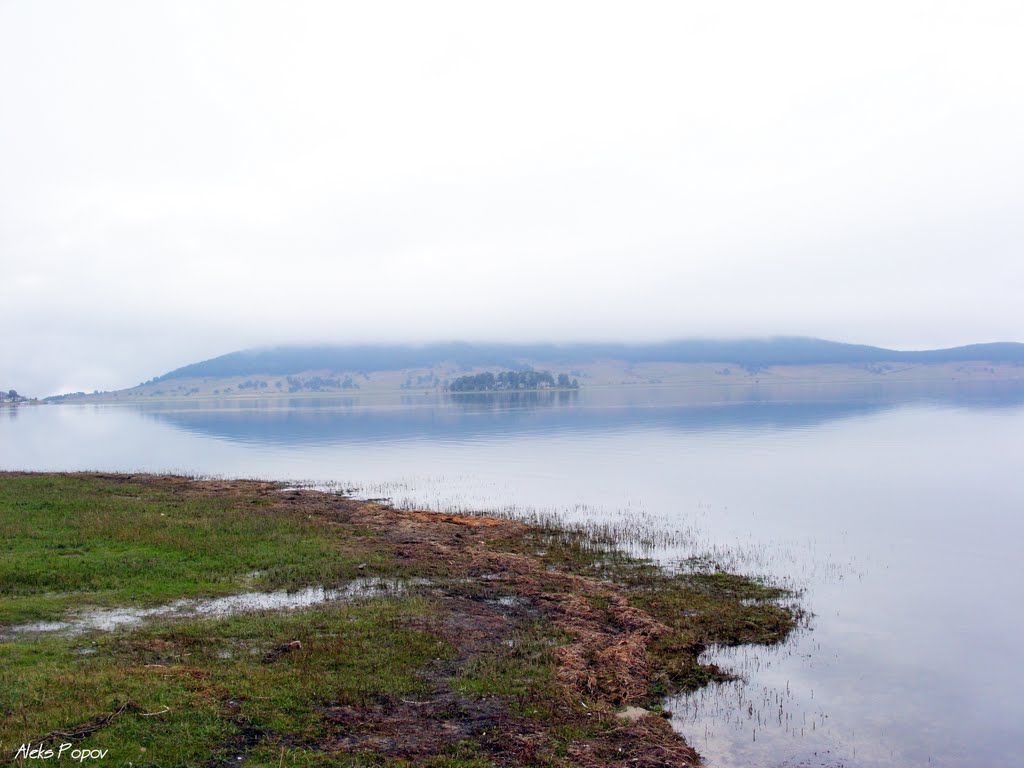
(511, 380)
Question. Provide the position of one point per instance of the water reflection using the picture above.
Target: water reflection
(896, 508)
(111, 619)
(472, 416)
(473, 401)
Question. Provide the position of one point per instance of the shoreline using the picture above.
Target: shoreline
(529, 645)
(717, 377)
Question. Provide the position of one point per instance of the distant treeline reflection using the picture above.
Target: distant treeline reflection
(510, 381)
(501, 400)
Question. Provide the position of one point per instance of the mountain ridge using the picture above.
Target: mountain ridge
(776, 351)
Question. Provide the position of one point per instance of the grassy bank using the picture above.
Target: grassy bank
(498, 645)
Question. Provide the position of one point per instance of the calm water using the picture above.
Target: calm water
(898, 511)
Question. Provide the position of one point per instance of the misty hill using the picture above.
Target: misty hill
(747, 354)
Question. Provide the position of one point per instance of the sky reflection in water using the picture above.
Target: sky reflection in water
(898, 512)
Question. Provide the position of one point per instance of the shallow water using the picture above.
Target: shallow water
(109, 619)
(897, 510)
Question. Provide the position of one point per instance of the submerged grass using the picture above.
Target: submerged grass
(512, 645)
(699, 609)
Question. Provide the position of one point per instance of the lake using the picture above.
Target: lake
(897, 511)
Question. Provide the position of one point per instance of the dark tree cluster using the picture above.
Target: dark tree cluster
(511, 381)
(320, 383)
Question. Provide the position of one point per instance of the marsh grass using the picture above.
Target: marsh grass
(208, 678)
(519, 667)
(290, 687)
(702, 606)
(74, 540)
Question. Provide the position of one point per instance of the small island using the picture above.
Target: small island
(512, 381)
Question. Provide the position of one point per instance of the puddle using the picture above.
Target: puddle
(109, 619)
(509, 601)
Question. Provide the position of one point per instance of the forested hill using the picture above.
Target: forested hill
(748, 352)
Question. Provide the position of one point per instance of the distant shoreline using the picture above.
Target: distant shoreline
(601, 376)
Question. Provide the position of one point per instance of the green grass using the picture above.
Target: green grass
(519, 668)
(210, 679)
(75, 541)
(78, 540)
(203, 691)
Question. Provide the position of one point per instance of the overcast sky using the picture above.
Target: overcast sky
(179, 180)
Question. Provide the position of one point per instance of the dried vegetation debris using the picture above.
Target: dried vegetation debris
(606, 661)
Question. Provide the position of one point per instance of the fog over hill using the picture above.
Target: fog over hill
(745, 352)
